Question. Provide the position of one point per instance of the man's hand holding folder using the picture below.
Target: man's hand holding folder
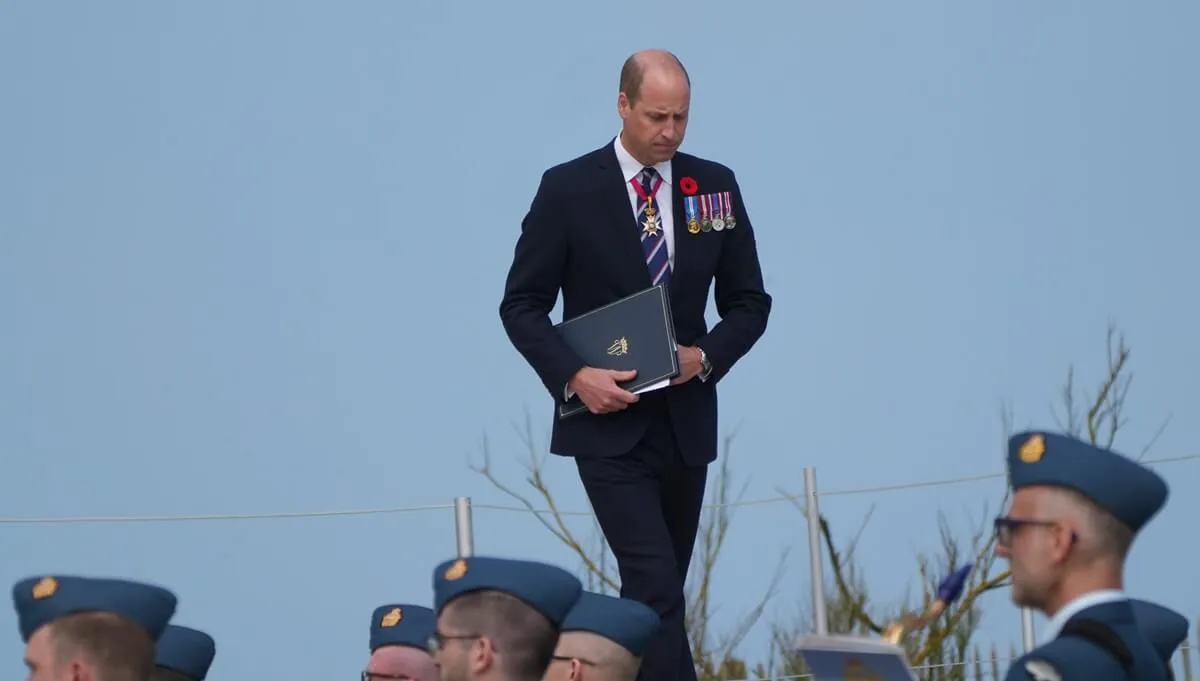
(629, 348)
(598, 389)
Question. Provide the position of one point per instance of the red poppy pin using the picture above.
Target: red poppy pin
(688, 186)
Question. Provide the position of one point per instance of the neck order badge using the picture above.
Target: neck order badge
(646, 190)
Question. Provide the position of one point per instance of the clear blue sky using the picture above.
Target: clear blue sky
(251, 255)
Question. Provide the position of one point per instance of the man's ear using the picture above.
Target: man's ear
(482, 655)
(80, 671)
(576, 672)
(1065, 539)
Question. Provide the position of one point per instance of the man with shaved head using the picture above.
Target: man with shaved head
(630, 215)
(400, 639)
(603, 639)
(1076, 510)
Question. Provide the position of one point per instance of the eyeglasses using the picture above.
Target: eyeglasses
(379, 676)
(1006, 527)
(567, 658)
(437, 641)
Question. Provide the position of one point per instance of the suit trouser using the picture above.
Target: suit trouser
(648, 504)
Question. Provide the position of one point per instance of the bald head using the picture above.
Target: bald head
(653, 103)
(403, 661)
(654, 63)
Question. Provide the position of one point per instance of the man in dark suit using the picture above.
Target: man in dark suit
(604, 226)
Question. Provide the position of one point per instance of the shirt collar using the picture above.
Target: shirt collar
(630, 167)
(1077, 606)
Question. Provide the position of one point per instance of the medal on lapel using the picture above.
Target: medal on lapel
(718, 221)
(689, 206)
(706, 213)
(730, 221)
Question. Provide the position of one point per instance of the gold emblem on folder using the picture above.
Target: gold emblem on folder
(619, 347)
(855, 670)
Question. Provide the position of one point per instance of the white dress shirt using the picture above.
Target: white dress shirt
(1076, 606)
(630, 169)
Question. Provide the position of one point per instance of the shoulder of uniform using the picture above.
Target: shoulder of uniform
(1065, 659)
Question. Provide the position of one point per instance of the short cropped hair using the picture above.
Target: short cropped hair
(524, 638)
(605, 653)
(1106, 535)
(118, 649)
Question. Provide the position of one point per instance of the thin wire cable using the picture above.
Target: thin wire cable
(80, 520)
(283, 515)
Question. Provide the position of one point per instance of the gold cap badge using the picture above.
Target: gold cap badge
(45, 588)
(1033, 449)
(457, 570)
(392, 618)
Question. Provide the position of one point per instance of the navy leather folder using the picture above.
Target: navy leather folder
(635, 332)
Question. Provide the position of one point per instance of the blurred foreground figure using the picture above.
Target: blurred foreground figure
(183, 654)
(1075, 512)
(400, 638)
(603, 639)
(1164, 628)
(498, 619)
(87, 629)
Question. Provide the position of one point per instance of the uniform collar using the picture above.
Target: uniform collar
(630, 167)
(1077, 606)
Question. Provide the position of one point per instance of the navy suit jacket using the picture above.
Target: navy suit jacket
(1076, 659)
(580, 236)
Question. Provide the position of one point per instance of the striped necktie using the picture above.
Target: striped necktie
(650, 222)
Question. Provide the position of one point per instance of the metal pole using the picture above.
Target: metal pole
(814, 551)
(1027, 636)
(463, 530)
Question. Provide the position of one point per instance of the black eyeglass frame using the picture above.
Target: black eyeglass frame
(1006, 527)
(437, 640)
(380, 676)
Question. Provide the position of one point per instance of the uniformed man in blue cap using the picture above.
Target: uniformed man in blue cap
(183, 654)
(1164, 628)
(603, 639)
(498, 619)
(400, 635)
(82, 628)
(1075, 512)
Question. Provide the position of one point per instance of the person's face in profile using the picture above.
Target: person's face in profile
(44, 665)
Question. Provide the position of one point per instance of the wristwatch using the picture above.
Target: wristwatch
(705, 365)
